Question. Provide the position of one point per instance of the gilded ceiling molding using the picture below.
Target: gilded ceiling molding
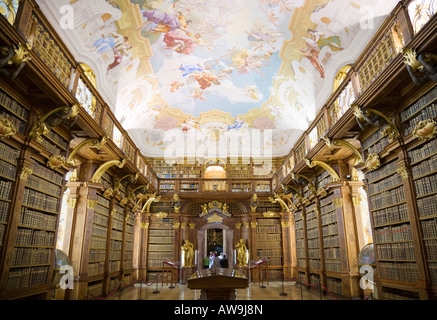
(331, 171)
(311, 187)
(104, 167)
(332, 144)
(149, 202)
(95, 143)
(276, 199)
(391, 131)
(53, 119)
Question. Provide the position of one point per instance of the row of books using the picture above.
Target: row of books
(97, 255)
(419, 104)
(161, 232)
(161, 225)
(159, 255)
(58, 139)
(382, 185)
(102, 211)
(268, 237)
(9, 153)
(396, 251)
(313, 243)
(331, 241)
(298, 224)
(269, 252)
(116, 245)
(117, 235)
(301, 253)
(327, 200)
(424, 151)
(314, 264)
(329, 230)
(19, 124)
(429, 112)
(116, 224)
(4, 208)
(268, 229)
(312, 223)
(401, 271)
(334, 285)
(96, 268)
(46, 173)
(267, 222)
(98, 243)
(390, 215)
(387, 198)
(30, 237)
(312, 233)
(128, 246)
(99, 231)
(8, 170)
(100, 219)
(114, 255)
(31, 256)
(431, 249)
(114, 266)
(426, 185)
(161, 247)
(426, 206)
(314, 253)
(5, 189)
(52, 148)
(433, 273)
(103, 201)
(392, 234)
(10, 104)
(28, 277)
(332, 253)
(154, 263)
(333, 265)
(329, 218)
(275, 261)
(40, 201)
(323, 179)
(268, 245)
(429, 229)
(378, 147)
(163, 240)
(129, 237)
(383, 171)
(44, 186)
(327, 208)
(301, 263)
(35, 219)
(106, 184)
(425, 167)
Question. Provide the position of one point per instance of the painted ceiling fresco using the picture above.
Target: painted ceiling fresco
(170, 68)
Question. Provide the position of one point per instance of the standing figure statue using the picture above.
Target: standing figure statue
(241, 253)
(188, 250)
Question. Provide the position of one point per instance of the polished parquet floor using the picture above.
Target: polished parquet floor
(254, 292)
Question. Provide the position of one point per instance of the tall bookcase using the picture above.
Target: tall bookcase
(116, 243)
(300, 243)
(160, 245)
(269, 243)
(128, 243)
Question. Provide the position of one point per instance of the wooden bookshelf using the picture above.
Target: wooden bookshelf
(300, 241)
(116, 242)
(189, 186)
(128, 243)
(13, 111)
(167, 185)
(330, 236)
(313, 239)
(160, 245)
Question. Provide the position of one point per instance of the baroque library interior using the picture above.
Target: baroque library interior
(243, 143)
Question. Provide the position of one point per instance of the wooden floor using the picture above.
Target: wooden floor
(254, 292)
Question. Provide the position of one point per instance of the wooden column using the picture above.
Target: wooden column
(292, 246)
(143, 247)
(286, 244)
(136, 245)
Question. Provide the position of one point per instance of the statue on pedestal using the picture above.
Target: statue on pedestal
(241, 249)
(188, 250)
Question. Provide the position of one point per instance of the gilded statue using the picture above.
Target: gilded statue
(176, 203)
(188, 250)
(241, 253)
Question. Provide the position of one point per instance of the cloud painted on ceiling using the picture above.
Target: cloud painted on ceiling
(217, 68)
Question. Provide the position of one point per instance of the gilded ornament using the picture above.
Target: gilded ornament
(425, 130)
(91, 204)
(55, 162)
(161, 215)
(25, 173)
(7, 129)
(356, 201)
(338, 202)
(71, 203)
(285, 224)
(402, 170)
(373, 162)
(270, 214)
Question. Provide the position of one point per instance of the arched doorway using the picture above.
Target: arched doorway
(224, 238)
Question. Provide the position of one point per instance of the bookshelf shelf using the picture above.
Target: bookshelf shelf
(160, 244)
